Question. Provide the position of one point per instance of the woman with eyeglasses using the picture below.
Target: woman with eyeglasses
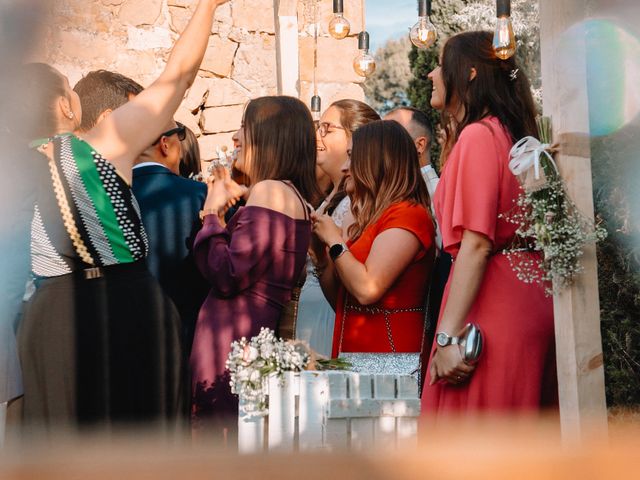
(314, 323)
(99, 340)
(380, 274)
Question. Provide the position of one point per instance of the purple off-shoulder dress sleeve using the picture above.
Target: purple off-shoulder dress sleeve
(232, 263)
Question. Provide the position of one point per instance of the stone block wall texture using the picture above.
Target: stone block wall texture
(134, 37)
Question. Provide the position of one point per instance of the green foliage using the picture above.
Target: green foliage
(424, 61)
(614, 168)
(419, 90)
(387, 88)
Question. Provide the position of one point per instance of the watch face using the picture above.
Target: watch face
(335, 250)
(442, 339)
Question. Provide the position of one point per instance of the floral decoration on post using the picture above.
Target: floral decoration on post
(547, 219)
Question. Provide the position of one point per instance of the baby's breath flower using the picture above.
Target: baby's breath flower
(547, 221)
(251, 362)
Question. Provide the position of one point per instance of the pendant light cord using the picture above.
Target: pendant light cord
(315, 45)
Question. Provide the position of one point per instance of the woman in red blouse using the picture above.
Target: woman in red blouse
(378, 280)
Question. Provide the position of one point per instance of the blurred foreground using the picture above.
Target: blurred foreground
(496, 449)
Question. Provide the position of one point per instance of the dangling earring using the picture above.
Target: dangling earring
(70, 115)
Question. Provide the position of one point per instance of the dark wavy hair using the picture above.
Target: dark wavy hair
(41, 85)
(495, 90)
(385, 170)
(281, 141)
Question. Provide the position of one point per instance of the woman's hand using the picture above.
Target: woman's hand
(223, 192)
(326, 230)
(447, 364)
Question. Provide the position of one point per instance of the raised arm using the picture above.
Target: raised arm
(130, 129)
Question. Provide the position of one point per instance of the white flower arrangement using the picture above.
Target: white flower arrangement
(223, 159)
(547, 219)
(251, 362)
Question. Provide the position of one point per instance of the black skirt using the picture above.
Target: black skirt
(101, 351)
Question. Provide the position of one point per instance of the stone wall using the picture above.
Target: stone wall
(134, 37)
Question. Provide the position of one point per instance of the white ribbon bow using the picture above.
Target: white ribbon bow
(525, 154)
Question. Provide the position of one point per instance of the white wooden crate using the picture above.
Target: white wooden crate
(334, 410)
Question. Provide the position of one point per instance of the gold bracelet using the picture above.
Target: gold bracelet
(208, 211)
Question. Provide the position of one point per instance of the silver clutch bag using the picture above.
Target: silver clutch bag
(470, 343)
(384, 363)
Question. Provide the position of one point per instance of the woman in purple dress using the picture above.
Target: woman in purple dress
(254, 261)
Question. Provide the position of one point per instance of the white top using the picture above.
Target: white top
(431, 179)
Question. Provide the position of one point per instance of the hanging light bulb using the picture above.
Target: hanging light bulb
(504, 41)
(316, 103)
(423, 34)
(339, 26)
(364, 64)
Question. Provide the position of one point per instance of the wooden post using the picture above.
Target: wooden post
(3, 421)
(286, 23)
(576, 310)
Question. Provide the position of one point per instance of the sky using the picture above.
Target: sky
(389, 19)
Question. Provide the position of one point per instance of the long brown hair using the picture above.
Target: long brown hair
(385, 170)
(353, 114)
(281, 140)
(500, 88)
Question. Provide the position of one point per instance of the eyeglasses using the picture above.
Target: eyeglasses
(323, 128)
(181, 130)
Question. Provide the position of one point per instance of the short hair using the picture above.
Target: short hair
(419, 119)
(190, 160)
(103, 90)
(281, 140)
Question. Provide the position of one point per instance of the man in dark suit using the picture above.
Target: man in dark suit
(170, 206)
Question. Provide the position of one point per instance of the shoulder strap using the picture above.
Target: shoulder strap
(65, 209)
(305, 206)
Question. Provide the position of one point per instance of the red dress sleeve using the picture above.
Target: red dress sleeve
(471, 187)
(411, 217)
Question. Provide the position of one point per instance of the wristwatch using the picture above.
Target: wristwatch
(336, 250)
(443, 339)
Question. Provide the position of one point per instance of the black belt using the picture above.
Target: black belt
(93, 273)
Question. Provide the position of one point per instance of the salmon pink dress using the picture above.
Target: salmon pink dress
(517, 370)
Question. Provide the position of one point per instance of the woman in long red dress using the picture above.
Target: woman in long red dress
(486, 104)
(379, 279)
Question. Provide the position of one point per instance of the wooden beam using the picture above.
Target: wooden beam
(576, 310)
(286, 23)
